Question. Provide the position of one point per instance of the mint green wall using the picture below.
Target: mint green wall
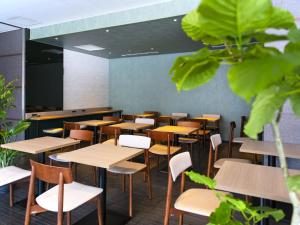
(142, 83)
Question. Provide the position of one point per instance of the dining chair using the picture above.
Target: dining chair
(213, 126)
(109, 135)
(129, 168)
(180, 114)
(155, 113)
(111, 118)
(213, 161)
(162, 145)
(9, 176)
(81, 135)
(150, 121)
(128, 117)
(68, 126)
(198, 201)
(163, 121)
(64, 197)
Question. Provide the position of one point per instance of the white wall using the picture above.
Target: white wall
(86, 83)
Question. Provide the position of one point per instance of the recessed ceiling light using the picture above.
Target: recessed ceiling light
(56, 38)
(151, 49)
(89, 47)
(107, 30)
(175, 20)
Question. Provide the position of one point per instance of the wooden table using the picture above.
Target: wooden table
(177, 129)
(210, 119)
(132, 126)
(174, 118)
(101, 156)
(253, 180)
(39, 146)
(96, 124)
(145, 115)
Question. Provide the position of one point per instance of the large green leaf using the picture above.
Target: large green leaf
(294, 183)
(294, 35)
(295, 101)
(236, 18)
(222, 215)
(264, 108)
(19, 128)
(250, 77)
(201, 179)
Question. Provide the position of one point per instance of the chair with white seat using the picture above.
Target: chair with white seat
(213, 161)
(184, 115)
(66, 196)
(197, 201)
(150, 121)
(9, 176)
(128, 168)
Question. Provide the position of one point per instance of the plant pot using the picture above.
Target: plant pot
(4, 189)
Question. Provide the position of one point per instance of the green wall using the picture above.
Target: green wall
(142, 83)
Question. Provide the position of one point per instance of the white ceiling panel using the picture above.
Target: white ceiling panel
(36, 13)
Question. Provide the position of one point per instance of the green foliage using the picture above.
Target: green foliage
(294, 183)
(234, 211)
(8, 130)
(263, 76)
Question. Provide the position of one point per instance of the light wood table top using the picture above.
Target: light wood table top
(269, 148)
(177, 129)
(96, 123)
(253, 180)
(100, 155)
(145, 115)
(210, 119)
(132, 126)
(40, 145)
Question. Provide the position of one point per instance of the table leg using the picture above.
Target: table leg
(41, 184)
(264, 203)
(95, 134)
(102, 184)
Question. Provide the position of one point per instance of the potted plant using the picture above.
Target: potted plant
(263, 76)
(8, 130)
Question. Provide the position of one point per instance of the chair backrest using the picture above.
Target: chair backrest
(179, 163)
(70, 126)
(128, 117)
(134, 141)
(82, 135)
(186, 123)
(212, 115)
(232, 126)
(110, 132)
(180, 114)
(244, 120)
(165, 120)
(215, 141)
(50, 174)
(111, 118)
(145, 121)
(155, 113)
(161, 136)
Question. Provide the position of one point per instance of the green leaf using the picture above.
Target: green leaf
(293, 183)
(264, 37)
(281, 19)
(266, 212)
(201, 179)
(222, 215)
(295, 101)
(194, 70)
(19, 127)
(264, 108)
(238, 204)
(252, 76)
(294, 35)
(2, 114)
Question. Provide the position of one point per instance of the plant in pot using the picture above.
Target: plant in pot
(263, 76)
(8, 130)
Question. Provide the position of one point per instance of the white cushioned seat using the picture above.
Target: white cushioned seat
(198, 201)
(127, 167)
(75, 194)
(218, 164)
(53, 131)
(240, 139)
(54, 158)
(159, 149)
(11, 174)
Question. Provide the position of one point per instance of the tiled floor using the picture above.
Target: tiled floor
(146, 212)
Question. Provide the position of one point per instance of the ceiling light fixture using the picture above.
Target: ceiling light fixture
(151, 49)
(140, 53)
(89, 47)
(175, 20)
(56, 38)
(107, 30)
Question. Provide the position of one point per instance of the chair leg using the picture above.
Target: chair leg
(123, 183)
(95, 175)
(130, 194)
(69, 218)
(11, 195)
(76, 170)
(149, 182)
(157, 163)
(180, 219)
(99, 211)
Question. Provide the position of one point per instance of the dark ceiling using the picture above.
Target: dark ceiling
(158, 36)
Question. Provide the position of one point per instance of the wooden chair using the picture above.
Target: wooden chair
(128, 168)
(64, 197)
(163, 121)
(9, 176)
(109, 135)
(160, 149)
(213, 161)
(194, 201)
(128, 117)
(180, 114)
(68, 126)
(150, 121)
(112, 118)
(213, 126)
(194, 138)
(155, 113)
